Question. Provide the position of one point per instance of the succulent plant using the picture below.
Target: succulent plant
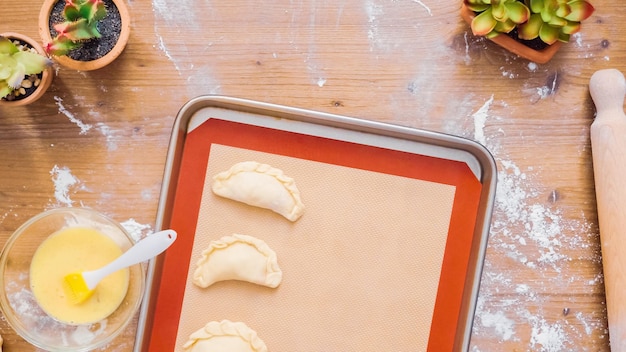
(548, 20)
(17, 62)
(553, 20)
(497, 16)
(81, 23)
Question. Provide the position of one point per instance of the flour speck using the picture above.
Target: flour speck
(136, 230)
(62, 109)
(550, 337)
(63, 181)
(480, 118)
(502, 325)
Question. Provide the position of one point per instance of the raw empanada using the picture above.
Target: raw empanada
(225, 336)
(262, 186)
(238, 257)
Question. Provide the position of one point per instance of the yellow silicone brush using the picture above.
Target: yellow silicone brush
(80, 286)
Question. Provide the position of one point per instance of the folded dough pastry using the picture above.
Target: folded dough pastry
(238, 257)
(262, 186)
(225, 336)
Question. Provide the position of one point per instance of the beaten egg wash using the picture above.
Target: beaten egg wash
(70, 250)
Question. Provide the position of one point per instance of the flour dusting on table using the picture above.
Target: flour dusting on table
(7, 213)
(200, 79)
(546, 336)
(136, 230)
(109, 134)
(64, 183)
(167, 53)
(530, 229)
(62, 109)
(480, 118)
(502, 325)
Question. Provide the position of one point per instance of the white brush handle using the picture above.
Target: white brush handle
(608, 146)
(147, 248)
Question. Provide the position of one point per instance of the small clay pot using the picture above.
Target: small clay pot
(46, 36)
(538, 56)
(46, 76)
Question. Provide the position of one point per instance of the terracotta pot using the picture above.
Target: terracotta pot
(44, 32)
(539, 56)
(46, 76)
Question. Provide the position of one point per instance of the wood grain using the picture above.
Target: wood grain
(413, 63)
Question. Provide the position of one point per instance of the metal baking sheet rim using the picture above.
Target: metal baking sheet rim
(480, 161)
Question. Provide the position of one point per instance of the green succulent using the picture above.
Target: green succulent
(81, 23)
(16, 64)
(497, 16)
(553, 20)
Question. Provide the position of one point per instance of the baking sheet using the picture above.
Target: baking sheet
(379, 261)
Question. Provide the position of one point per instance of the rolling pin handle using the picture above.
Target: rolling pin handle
(608, 88)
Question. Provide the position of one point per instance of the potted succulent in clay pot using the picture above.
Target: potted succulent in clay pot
(84, 34)
(25, 72)
(532, 29)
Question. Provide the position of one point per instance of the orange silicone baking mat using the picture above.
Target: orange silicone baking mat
(377, 262)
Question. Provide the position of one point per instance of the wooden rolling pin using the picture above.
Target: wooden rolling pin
(608, 146)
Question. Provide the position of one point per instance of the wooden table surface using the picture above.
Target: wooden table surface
(98, 139)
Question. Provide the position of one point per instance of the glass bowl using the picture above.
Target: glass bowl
(19, 305)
